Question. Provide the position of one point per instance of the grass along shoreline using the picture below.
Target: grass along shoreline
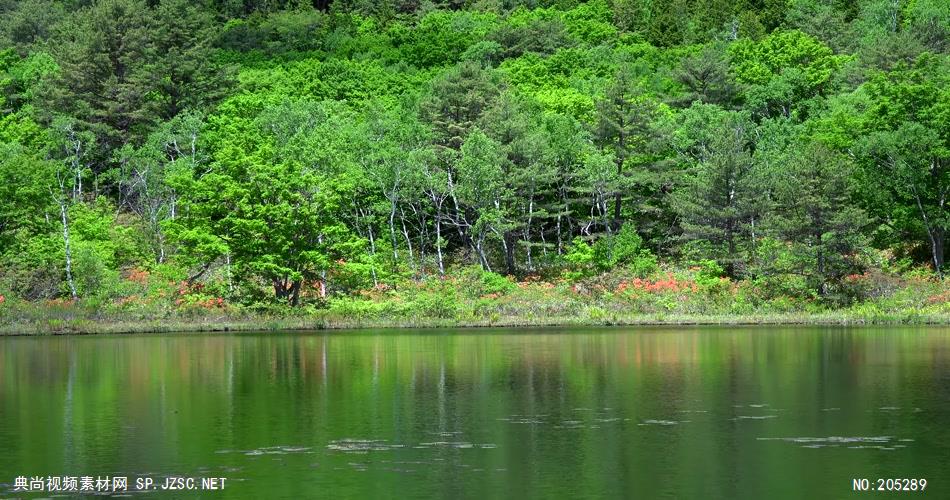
(311, 322)
(472, 297)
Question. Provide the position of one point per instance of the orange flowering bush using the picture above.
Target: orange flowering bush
(670, 284)
(198, 304)
(940, 298)
(60, 302)
(138, 275)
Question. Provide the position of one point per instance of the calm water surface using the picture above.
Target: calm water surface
(591, 413)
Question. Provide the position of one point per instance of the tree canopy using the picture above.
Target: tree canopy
(291, 152)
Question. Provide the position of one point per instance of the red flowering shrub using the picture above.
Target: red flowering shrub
(670, 284)
(940, 298)
(137, 275)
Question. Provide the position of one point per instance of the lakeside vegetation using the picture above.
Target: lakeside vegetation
(172, 165)
(476, 298)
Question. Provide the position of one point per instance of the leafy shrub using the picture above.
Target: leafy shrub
(477, 282)
(597, 313)
(608, 252)
(92, 271)
(709, 273)
(435, 304)
(354, 308)
(440, 38)
(625, 249)
(591, 22)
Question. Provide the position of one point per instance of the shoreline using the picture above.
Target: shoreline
(318, 322)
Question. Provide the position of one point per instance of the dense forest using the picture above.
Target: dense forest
(458, 157)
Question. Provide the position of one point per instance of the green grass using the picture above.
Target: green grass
(322, 320)
(472, 298)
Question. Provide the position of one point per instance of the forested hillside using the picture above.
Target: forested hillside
(473, 159)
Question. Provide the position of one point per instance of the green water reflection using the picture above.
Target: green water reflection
(677, 413)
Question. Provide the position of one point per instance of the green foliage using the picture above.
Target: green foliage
(720, 199)
(705, 76)
(590, 22)
(21, 78)
(905, 151)
(277, 33)
(710, 273)
(608, 252)
(929, 20)
(101, 247)
(580, 254)
(757, 62)
(126, 64)
(24, 191)
(477, 282)
(624, 249)
(273, 201)
(783, 278)
(440, 38)
(560, 82)
(29, 23)
(783, 69)
(342, 80)
(823, 227)
(384, 158)
(456, 100)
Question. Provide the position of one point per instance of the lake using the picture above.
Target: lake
(696, 412)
